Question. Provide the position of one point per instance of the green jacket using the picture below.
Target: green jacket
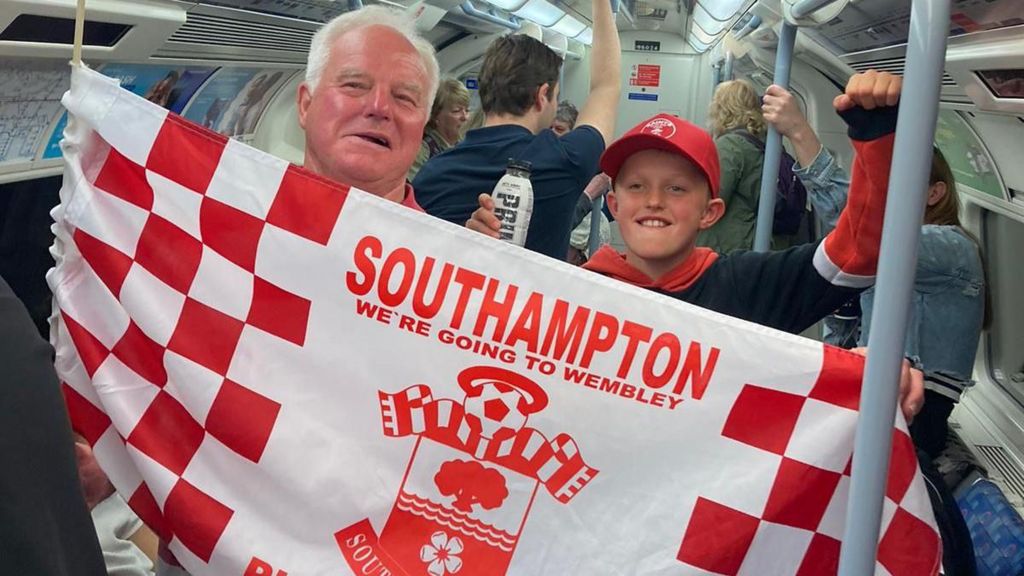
(432, 145)
(740, 188)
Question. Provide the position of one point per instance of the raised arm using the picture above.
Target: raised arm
(849, 254)
(605, 73)
(826, 182)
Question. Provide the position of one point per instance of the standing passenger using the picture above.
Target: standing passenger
(565, 118)
(738, 127)
(370, 83)
(519, 95)
(949, 308)
(44, 524)
(447, 117)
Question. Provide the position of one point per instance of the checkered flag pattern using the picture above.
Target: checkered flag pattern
(159, 241)
(800, 527)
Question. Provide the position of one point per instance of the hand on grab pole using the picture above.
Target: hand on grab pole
(870, 90)
(781, 111)
(911, 387)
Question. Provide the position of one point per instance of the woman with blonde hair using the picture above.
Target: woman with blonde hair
(444, 129)
(736, 124)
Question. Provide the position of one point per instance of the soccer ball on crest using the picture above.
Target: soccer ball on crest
(493, 407)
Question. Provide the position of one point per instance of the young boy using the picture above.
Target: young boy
(665, 175)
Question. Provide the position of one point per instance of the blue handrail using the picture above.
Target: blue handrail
(594, 240)
(773, 146)
(904, 211)
(750, 26)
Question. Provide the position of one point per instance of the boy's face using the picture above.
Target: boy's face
(661, 201)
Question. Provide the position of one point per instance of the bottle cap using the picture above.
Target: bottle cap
(519, 164)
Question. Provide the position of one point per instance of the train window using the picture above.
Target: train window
(1003, 237)
(1004, 83)
(967, 156)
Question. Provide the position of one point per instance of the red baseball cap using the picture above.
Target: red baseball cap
(669, 133)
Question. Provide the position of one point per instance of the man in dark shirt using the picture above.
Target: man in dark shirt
(519, 96)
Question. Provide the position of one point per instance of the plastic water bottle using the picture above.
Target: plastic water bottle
(513, 201)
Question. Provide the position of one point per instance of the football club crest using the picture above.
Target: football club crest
(474, 474)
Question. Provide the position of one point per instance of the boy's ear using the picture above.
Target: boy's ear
(613, 203)
(713, 212)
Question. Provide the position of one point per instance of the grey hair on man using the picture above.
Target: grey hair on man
(376, 15)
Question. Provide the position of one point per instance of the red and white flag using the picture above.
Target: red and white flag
(284, 375)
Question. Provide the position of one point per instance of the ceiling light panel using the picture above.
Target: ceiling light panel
(568, 26)
(541, 12)
(705, 21)
(721, 9)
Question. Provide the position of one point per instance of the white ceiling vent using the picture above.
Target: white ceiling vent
(225, 34)
(894, 65)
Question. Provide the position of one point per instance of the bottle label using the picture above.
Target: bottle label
(512, 207)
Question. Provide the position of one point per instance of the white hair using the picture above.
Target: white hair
(375, 15)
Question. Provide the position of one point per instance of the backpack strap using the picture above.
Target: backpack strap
(746, 136)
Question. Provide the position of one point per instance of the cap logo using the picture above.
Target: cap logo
(659, 127)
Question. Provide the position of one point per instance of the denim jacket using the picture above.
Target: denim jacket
(949, 287)
(948, 308)
(826, 183)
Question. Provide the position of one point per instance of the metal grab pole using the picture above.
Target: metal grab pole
(752, 25)
(716, 75)
(594, 240)
(773, 146)
(727, 69)
(904, 210)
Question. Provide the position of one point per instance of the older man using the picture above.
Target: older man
(370, 83)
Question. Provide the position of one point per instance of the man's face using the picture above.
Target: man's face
(364, 121)
(661, 201)
(560, 128)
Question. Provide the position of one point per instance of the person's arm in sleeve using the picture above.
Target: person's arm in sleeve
(827, 184)
(45, 527)
(601, 105)
(849, 254)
